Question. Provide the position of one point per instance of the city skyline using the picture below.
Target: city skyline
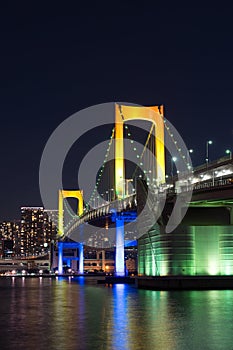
(30, 235)
(55, 63)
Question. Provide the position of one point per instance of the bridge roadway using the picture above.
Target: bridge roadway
(212, 183)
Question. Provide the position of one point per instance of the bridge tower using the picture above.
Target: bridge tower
(122, 114)
(153, 114)
(78, 194)
(68, 194)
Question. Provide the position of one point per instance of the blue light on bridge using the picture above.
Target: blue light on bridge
(131, 243)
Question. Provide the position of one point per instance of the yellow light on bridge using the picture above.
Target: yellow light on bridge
(153, 114)
(78, 194)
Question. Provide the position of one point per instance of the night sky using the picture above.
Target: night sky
(56, 61)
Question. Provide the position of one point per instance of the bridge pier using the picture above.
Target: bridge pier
(81, 259)
(120, 258)
(70, 245)
(231, 214)
(103, 258)
(60, 258)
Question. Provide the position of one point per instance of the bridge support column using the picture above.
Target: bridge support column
(231, 214)
(81, 259)
(103, 260)
(60, 258)
(120, 258)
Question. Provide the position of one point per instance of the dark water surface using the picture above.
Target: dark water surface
(74, 313)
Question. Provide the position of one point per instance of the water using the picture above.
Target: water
(75, 313)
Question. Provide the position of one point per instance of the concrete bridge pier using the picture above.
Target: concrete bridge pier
(120, 258)
(60, 258)
(231, 214)
(103, 258)
(81, 259)
(70, 245)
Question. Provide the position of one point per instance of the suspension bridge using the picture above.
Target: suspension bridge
(102, 219)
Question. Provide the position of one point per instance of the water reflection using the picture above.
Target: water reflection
(75, 314)
(119, 323)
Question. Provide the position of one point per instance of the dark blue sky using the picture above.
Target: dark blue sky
(58, 60)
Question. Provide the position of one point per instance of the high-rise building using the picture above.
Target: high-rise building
(9, 239)
(53, 219)
(37, 231)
